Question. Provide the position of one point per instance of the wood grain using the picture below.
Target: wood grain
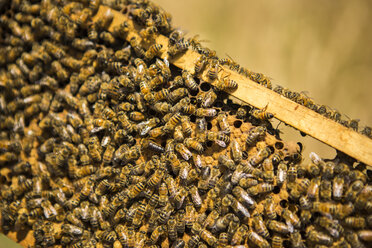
(285, 110)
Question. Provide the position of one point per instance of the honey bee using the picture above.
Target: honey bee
(161, 107)
(291, 217)
(325, 191)
(177, 94)
(279, 227)
(140, 52)
(108, 154)
(31, 110)
(213, 69)
(163, 67)
(238, 174)
(260, 156)
(312, 169)
(277, 157)
(229, 201)
(342, 169)
(155, 235)
(261, 114)
(189, 80)
(139, 214)
(305, 202)
(318, 237)
(220, 138)
(207, 101)
(122, 233)
(365, 235)
(244, 197)
(155, 178)
(145, 126)
(353, 190)
(182, 104)
(194, 144)
(175, 36)
(137, 116)
(53, 50)
(200, 63)
(226, 84)
(172, 122)
(260, 227)
(183, 170)
(302, 185)
(121, 30)
(313, 190)
(169, 146)
(189, 109)
(206, 112)
(190, 215)
(222, 122)
(337, 210)
(355, 222)
(11, 146)
(72, 63)
(180, 197)
(29, 90)
(204, 234)
(257, 239)
(48, 209)
(171, 226)
(255, 134)
(239, 235)
(353, 239)
(296, 240)
(123, 54)
(183, 151)
(107, 38)
(153, 51)
(367, 131)
(193, 241)
(180, 47)
(178, 134)
(292, 173)
(107, 236)
(332, 227)
(270, 208)
(247, 182)
(226, 161)
(176, 82)
(195, 196)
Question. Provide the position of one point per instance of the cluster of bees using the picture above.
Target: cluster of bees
(301, 98)
(103, 144)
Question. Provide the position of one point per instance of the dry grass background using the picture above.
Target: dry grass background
(322, 47)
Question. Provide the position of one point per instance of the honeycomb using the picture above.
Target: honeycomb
(104, 144)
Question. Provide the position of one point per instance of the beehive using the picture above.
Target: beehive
(105, 144)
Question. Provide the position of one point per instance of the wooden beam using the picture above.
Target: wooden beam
(326, 130)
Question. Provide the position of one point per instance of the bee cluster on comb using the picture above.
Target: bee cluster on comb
(105, 144)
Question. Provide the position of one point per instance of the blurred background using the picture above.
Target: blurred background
(322, 47)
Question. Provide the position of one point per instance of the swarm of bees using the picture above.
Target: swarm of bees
(104, 144)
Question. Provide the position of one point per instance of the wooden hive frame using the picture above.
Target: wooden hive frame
(303, 119)
(285, 110)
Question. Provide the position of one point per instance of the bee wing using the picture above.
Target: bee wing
(290, 226)
(315, 158)
(96, 130)
(186, 155)
(145, 130)
(220, 143)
